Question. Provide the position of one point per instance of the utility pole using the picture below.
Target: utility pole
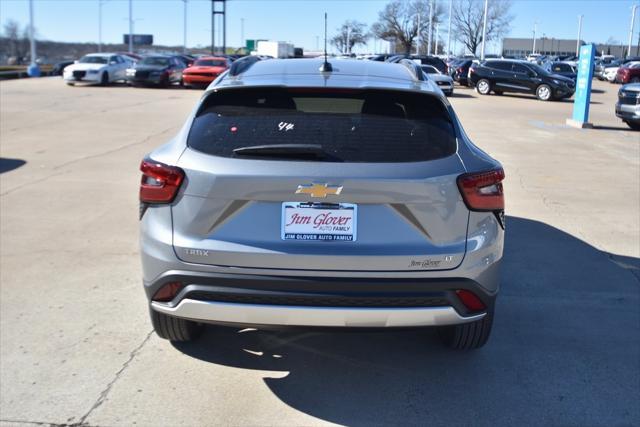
(185, 26)
(449, 31)
(33, 70)
(579, 34)
(130, 26)
(437, 38)
(100, 3)
(242, 43)
(633, 19)
(535, 28)
(214, 12)
(484, 28)
(431, 5)
(419, 38)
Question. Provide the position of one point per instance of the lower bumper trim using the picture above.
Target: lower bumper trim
(278, 315)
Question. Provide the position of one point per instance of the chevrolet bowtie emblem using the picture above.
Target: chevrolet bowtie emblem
(319, 190)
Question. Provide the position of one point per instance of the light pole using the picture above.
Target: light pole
(437, 37)
(633, 19)
(100, 4)
(535, 28)
(242, 43)
(33, 70)
(429, 35)
(484, 28)
(184, 49)
(449, 30)
(579, 34)
(419, 38)
(130, 26)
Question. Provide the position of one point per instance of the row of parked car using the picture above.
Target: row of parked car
(151, 70)
(619, 70)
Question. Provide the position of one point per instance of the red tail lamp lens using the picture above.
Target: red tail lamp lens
(482, 191)
(168, 291)
(160, 183)
(470, 300)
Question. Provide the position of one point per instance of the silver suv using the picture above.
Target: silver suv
(297, 196)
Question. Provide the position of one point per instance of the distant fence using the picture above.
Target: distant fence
(20, 71)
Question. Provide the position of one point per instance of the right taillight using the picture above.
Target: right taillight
(482, 191)
(160, 183)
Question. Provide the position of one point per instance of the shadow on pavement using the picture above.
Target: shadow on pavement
(7, 165)
(564, 350)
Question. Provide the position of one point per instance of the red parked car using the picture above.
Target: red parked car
(628, 73)
(205, 70)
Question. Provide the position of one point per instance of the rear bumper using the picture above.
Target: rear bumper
(320, 302)
(275, 315)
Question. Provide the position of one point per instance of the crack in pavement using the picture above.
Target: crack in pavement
(37, 423)
(103, 395)
(92, 156)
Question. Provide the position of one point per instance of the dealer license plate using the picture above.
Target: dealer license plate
(319, 221)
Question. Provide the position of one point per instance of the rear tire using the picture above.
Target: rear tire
(483, 87)
(174, 329)
(467, 336)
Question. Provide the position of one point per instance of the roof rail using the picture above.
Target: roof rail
(241, 65)
(414, 68)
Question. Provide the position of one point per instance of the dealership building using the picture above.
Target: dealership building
(562, 47)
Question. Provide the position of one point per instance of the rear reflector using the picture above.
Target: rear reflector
(482, 191)
(470, 300)
(168, 291)
(160, 183)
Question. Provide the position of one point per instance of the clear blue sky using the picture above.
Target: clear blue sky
(298, 21)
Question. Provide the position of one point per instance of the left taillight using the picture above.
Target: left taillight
(160, 183)
(482, 191)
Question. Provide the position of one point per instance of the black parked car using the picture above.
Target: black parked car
(461, 71)
(160, 70)
(519, 76)
(424, 60)
(562, 69)
(59, 67)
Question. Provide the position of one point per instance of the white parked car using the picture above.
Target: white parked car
(610, 74)
(444, 82)
(99, 68)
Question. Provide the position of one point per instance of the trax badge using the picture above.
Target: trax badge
(319, 190)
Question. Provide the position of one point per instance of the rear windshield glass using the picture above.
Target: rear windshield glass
(210, 63)
(155, 60)
(345, 125)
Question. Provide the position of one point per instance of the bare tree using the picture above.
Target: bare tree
(467, 22)
(401, 21)
(350, 34)
(12, 33)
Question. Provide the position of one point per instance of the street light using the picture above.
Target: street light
(579, 34)
(535, 28)
(633, 18)
(130, 26)
(449, 31)
(430, 33)
(33, 70)
(100, 4)
(484, 28)
(185, 27)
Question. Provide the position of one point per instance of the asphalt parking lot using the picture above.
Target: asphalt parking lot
(76, 344)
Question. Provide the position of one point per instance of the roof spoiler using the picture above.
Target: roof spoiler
(241, 65)
(413, 68)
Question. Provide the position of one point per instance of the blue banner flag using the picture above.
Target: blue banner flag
(582, 96)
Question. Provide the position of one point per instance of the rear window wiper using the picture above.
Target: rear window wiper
(302, 151)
